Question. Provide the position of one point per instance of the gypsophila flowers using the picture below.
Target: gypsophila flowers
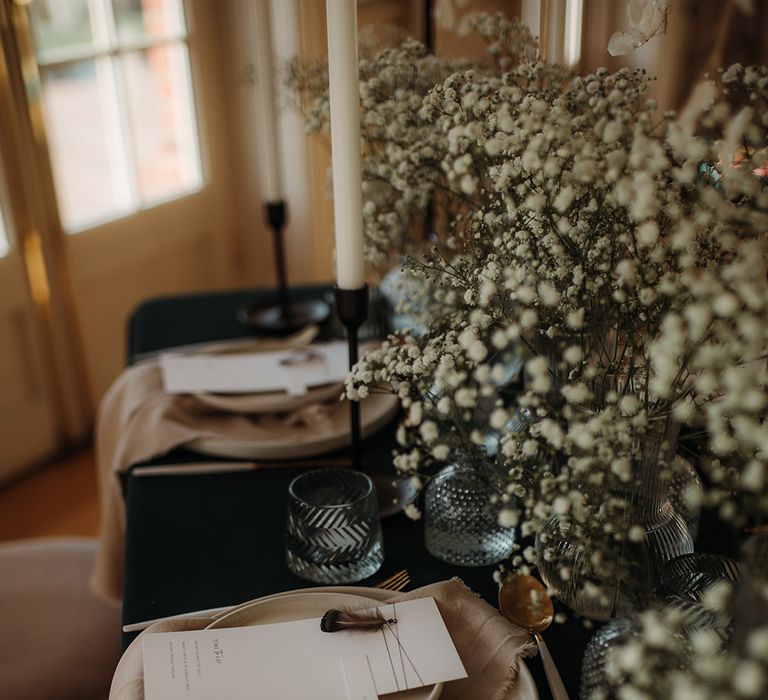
(613, 257)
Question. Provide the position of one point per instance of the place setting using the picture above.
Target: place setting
(248, 404)
(234, 406)
(349, 641)
(291, 401)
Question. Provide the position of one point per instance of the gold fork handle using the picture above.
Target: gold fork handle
(396, 582)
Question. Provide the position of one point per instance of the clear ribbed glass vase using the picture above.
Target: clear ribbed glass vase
(686, 493)
(684, 581)
(566, 566)
(461, 509)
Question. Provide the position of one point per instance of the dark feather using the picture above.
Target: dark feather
(337, 620)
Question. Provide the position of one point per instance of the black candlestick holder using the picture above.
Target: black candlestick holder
(285, 316)
(352, 310)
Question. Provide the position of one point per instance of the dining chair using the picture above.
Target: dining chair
(57, 640)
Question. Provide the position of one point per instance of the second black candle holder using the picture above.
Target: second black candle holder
(285, 316)
(352, 311)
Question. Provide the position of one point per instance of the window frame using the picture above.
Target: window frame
(106, 53)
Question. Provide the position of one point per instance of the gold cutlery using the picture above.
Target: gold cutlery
(524, 601)
(396, 582)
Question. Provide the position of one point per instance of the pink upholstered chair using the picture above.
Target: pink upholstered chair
(57, 641)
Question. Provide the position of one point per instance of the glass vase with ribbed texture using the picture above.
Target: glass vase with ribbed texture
(685, 580)
(333, 532)
(461, 510)
(686, 493)
(647, 505)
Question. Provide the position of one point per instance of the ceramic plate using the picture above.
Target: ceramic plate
(524, 689)
(294, 442)
(302, 606)
(273, 401)
(269, 401)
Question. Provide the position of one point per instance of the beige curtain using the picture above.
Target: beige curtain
(702, 36)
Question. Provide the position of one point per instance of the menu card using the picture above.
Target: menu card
(297, 660)
(292, 370)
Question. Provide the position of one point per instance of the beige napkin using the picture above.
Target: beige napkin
(489, 646)
(137, 421)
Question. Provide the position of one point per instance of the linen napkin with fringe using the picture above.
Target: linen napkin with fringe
(137, 421)
(490, 647)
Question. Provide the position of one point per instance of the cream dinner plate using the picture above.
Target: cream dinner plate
(303, 606)
(293, 442)
(272, 401)
(260, 611)
(269, 401)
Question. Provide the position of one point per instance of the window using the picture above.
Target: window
(118, 104)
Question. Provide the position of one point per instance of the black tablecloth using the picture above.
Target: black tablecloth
(195, 542)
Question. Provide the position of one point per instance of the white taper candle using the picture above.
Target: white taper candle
(345, 142)
(270, 158)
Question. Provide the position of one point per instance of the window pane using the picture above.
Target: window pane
(86, 147)
(148, 18)
(60, 27)
(162, 120)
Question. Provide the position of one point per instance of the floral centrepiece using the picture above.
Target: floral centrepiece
(620, 252)
(608, 244)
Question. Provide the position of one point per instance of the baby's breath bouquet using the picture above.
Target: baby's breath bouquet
(618, 252)
(404, 175)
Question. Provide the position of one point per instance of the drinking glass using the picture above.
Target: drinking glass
(333, 528)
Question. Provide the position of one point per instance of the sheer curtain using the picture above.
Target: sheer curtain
(700, 38)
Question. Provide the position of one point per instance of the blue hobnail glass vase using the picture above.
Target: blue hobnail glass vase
(461, 509)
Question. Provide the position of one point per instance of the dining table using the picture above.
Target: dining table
(199, 541)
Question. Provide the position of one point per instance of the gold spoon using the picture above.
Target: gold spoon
(524, 601)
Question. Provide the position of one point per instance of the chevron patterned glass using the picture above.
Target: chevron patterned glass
(333, 530)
